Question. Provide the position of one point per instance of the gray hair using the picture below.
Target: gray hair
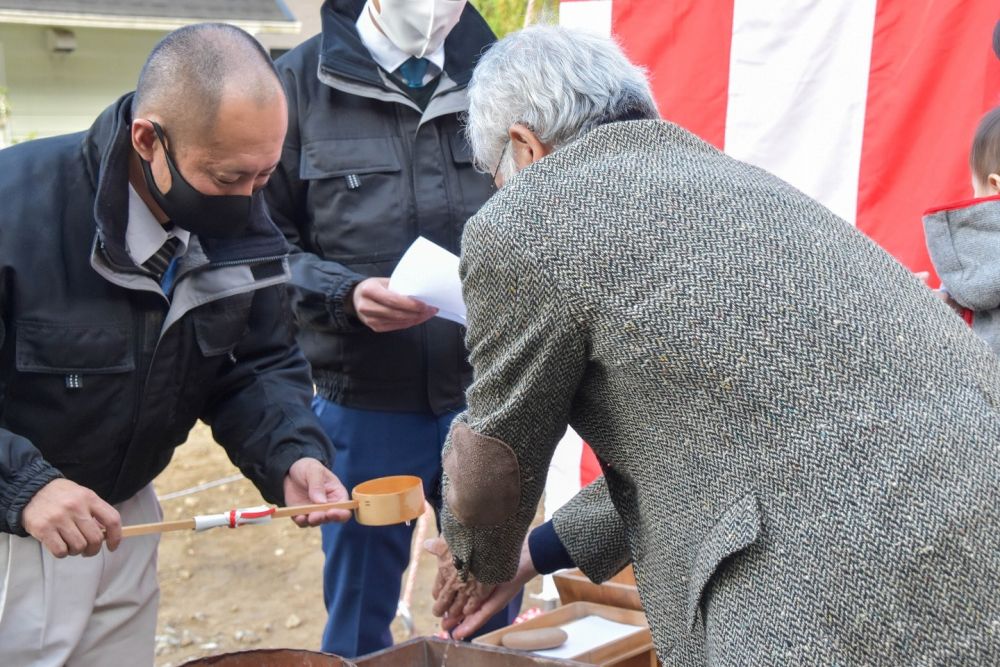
(557, 82)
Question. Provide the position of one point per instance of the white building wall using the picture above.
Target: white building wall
(55, 93)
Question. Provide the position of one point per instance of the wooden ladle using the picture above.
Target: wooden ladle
(378, 502)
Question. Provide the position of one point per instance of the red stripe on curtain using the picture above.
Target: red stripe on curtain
(933, 75)
(685, 46)
(590, 467)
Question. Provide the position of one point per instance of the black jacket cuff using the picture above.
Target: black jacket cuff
(337, 305)
(28, 482)
(272, 487)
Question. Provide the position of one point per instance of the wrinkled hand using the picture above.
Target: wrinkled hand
(453, 598)
(382, 310)
(309, 482)
(70, 520)
(479, 610)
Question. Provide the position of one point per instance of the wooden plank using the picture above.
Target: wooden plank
(619, 591)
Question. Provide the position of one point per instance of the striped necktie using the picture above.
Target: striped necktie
(158, 263)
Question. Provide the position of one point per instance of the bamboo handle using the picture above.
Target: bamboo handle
(189, 524)
(308, 509)
(147, 528)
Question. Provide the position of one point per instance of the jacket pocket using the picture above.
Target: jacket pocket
(461, 152)
(220, 325)
(74, 390)
(73, 349)
(475, 186)
(737, 528)
(357, 198)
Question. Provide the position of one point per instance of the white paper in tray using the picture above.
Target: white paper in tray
(588, 633)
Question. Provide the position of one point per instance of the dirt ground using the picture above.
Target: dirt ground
(256, 587)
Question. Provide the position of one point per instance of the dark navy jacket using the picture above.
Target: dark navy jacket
(101, 377)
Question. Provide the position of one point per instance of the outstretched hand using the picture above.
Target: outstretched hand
(309, 482)
(464, 607)
(453, 598)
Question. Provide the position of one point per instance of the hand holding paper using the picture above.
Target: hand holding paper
(381, 309)
(429, 273)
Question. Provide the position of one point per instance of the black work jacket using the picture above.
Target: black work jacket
(101, 377)
(364, 172)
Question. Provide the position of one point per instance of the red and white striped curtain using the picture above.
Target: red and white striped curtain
(869, 106)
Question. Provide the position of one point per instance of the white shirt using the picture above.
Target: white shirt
(144, 235)
(387, 55)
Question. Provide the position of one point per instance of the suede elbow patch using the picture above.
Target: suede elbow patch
(484, 484)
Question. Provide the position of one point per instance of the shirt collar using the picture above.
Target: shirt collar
(387, 55)
(144, 235)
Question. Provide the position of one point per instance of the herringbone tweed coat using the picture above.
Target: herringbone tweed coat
(802, 444)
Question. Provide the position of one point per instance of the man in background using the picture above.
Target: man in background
(374, 158)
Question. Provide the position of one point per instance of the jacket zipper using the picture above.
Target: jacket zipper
(408, 150)
(245, 262)
(139, 384)
(207, 265)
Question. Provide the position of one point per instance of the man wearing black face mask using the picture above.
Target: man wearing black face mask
(141, 289)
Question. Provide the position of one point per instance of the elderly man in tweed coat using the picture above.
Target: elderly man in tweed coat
(801, 445)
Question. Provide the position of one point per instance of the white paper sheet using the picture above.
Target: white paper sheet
(429, 273)
(588, 633)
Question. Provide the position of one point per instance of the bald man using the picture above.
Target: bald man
(141, 289)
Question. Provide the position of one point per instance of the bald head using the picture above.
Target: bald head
(192, 71)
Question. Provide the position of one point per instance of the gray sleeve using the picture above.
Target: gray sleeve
(591, 530)
(528, 354)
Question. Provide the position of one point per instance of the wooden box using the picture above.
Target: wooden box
(434, 652)
(635, 650)
(619, 591)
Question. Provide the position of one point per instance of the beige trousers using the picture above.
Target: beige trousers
(81, 612)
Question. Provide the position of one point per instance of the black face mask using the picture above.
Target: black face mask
(207, 216)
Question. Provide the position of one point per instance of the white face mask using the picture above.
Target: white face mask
(417, 27)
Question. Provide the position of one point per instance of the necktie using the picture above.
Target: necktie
(158, 263)
(413, 71)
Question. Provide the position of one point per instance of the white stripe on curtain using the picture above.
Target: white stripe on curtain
(798, 84)
(588, 15)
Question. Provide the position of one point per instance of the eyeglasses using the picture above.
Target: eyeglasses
(500, 161)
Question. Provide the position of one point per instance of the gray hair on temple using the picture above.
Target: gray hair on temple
(558, 82)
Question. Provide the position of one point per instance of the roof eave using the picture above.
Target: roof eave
(71, 20)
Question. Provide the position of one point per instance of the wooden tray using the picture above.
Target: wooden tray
(434, 652)
(619, 591)
(631, 651)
